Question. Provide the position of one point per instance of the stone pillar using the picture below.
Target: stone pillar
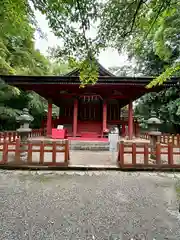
(24, 119)
(130, 121)
(75, 117)
(104, 115)
(154, 133)
(49, 119)
(137, 130)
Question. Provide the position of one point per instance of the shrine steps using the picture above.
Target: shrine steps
(78, 143)
(89, 129)
(91, 144)
(90, 139)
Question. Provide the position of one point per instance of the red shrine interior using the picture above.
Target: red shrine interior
(90, 117)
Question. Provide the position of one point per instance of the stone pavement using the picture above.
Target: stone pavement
(91, 158)
(88, 205)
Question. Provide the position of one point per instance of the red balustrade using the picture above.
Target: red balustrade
(11, 136)
(142, 156)
(11, 153)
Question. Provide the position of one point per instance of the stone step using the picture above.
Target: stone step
(89, 145)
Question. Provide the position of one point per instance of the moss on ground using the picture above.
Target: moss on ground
(39, 177)
(177, 187)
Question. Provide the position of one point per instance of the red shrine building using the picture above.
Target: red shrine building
(90, 111)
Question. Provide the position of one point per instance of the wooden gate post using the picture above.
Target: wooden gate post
(66, 153)
(5, 152)
(158, 153)
(170, 154)
(121, 154)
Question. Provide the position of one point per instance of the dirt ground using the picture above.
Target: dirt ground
(89, 205)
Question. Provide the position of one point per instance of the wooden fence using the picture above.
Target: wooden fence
(11, 136)
(136, 156)
(37, 153)
(141, 156)
(165, 138)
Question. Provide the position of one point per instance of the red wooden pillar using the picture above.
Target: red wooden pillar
(104, 115)
(75, 114)
(130, 120)
(49, 119)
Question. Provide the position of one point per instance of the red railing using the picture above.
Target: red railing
(36, 153)
(174, 139)
(165, 138)
(144, 135)
(141, 156)
(11, 136)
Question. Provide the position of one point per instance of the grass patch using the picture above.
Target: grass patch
(39, 178)
(177, 188)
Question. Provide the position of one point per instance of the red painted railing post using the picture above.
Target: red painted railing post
(5, 136)
(178, 139)
(14, 136)
(158, 153)
(146, 153)
(54, 153)
(5, 152)
(66, 151)
(133, 153)
(162, 140)
(41, 160)
(29, 156)
(121, 153)
(169, 139)
(172, 137)
(170, 154)
(9, 136)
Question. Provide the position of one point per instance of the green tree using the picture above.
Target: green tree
(118, 23)
(144, 21)
(166, 104)
(18, 56)
(145, 24)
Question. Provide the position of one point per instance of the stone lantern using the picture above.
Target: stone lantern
(24, 119)
(154, 133)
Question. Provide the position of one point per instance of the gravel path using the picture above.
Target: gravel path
(94, 205)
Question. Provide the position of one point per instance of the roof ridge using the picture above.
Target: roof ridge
(104, 70)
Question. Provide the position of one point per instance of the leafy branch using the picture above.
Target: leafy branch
(166, 75)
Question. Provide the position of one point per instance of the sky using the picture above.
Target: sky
(108, 58)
